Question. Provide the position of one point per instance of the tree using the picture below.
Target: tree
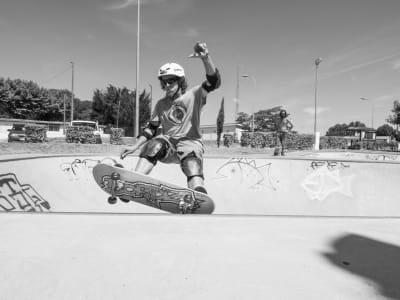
(220, 122)
(394, 118)
(342, 129)
(337, 130)
(119, 104)
(385, 130)
(357, 124)
(244, 120)
(264, 120)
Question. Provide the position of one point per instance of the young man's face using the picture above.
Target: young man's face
(169, 84)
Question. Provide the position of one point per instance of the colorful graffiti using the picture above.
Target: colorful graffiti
(15, 196)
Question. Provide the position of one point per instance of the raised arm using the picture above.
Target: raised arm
(213, 77)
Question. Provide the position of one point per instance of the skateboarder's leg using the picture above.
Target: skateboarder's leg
(144, 166)
(155, 150)
(282, 138)
(192, 167)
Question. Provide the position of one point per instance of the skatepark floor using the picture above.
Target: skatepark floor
(95, 251)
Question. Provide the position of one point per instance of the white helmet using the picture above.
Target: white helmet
(171, 69)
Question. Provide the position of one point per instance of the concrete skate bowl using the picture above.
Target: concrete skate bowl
(294, 186)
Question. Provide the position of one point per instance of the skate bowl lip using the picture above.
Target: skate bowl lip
(307, 156)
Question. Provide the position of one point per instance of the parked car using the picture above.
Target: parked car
(17, 133)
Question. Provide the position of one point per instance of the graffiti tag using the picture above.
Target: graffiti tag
(326, 179)
(246, 172)
(83, 167)
(15, 196)
(330, 165)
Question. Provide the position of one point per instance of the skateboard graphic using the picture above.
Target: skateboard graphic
(131, 186)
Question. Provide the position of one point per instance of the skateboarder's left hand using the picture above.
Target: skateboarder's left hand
(126, 151)
(200, 50)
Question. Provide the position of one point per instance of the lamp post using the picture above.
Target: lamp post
(255, 86)
(238, 76)
(317, 62)
(237, 94)
(136, 131)
(372, 110)
(72, 92)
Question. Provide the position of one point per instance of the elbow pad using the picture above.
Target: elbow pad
(213, 82)
(150, 130)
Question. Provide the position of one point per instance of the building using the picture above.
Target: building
(362, 133)
(209, 132)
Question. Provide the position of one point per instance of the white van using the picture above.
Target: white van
(92, 124)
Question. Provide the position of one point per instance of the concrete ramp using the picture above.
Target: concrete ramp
(103, 256)
(313, 186)
(62, 240)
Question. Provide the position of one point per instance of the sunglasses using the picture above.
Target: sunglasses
(169, 80)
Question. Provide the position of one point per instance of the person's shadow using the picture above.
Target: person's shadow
(374, 260)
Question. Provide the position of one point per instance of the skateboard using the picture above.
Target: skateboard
(132, 186)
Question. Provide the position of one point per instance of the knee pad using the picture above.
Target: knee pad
(192, 166)
(155, 150)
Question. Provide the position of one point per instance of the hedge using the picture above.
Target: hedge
(35, 133)
(80, 134)
(294, 141)
(116, 136)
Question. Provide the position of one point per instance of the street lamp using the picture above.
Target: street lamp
(255, 86)
(136, 132)
(317, 62)
(72, 92)
(372, 110)
(238, 76)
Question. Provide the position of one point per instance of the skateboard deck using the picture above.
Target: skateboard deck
(131, 186)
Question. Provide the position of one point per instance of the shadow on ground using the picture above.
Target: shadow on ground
(371, 259)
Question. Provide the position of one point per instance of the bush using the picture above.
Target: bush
(228, 140)
(80, 134)
(294, 141)
(35, 133)
(116, 136)
(333, 142)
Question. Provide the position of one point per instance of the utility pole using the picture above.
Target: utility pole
(317, 62)
(65, 96)
(237, 94)
(137, 70)
(72, 92)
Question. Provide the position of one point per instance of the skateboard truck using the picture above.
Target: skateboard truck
(184, 205)
(114, 184)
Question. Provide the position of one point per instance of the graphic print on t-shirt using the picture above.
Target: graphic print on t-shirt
(177, 113)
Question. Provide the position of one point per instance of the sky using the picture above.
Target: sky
(271, 44)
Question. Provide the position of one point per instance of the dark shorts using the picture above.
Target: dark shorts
(179, 149)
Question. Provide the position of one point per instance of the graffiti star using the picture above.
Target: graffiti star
(324, 182)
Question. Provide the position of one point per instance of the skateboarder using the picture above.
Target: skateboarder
(177, 115)
(283, 127)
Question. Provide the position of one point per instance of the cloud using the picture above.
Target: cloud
(188, 32)
(127, 3)
(396, 65)
(126, 27)
(310, 110)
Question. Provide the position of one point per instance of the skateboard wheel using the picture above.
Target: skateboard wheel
(115, 176)
(112, 200)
